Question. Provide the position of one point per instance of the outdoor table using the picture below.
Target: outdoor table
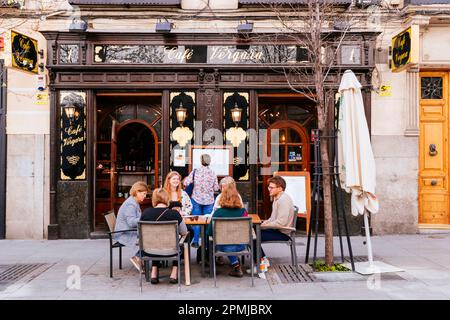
(201, 221)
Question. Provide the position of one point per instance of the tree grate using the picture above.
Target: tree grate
(287, 273)
(14, 273)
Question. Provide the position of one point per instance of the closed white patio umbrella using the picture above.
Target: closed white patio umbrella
(356, 162)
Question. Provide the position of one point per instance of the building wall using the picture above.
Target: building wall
(396, 154)
(27, 129)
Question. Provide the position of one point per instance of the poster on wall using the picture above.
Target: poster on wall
(73, 135)
(24, 52)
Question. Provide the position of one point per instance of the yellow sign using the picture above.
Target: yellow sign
(42, 98)
(405, 49)
(385, 91)
(24, 52)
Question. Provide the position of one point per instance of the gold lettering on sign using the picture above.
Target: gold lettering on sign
(174, 54)
(73, 132)
(222, 53)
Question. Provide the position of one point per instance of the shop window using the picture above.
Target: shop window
(235, 132)
(350, 54)
(431, 88)
(69, 54)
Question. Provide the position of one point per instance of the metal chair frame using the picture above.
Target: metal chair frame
(248, 251)
(172, 257)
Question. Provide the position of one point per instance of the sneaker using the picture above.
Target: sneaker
(136, 261)
(236, 272)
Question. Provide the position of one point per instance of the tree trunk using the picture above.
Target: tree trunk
(328, 215)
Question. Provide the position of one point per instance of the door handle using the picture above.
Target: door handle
(433, 182)
(432, 150)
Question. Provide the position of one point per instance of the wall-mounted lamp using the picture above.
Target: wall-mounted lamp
(246, 27)
(69, 110)
(181, 134)
(78, 26)
(236, 114)
(181, 114)
(164, 27)
(236, 135)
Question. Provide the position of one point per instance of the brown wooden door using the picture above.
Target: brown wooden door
(433, 149)
(291, 154)
(114, 133)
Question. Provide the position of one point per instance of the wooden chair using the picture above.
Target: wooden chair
(231, 231)
(110, 218)
(161, 241)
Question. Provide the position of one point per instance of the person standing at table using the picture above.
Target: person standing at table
(172, 185)
(230, 207)
(205, 184)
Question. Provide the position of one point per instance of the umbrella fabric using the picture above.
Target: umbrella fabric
(355, 156)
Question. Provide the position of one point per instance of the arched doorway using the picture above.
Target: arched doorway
(127, 148)
(290, 151)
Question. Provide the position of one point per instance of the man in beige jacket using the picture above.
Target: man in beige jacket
(281, 221)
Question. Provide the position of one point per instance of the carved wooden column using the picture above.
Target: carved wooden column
(412, 102)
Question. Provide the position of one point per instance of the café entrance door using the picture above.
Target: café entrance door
(288, 152)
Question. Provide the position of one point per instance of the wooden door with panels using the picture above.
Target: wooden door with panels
(433, 149)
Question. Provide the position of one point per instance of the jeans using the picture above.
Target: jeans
(231, 248)
(199, 210)
(269, 235)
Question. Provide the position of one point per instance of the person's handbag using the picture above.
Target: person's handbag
(190, 187)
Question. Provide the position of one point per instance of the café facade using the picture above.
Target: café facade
(124, 92)
(127, 103)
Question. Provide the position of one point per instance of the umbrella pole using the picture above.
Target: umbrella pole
(368, 242)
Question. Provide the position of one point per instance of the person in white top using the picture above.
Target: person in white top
(172, 185)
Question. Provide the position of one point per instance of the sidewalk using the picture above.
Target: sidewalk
(425, 259)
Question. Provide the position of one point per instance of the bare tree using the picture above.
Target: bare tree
(318, 28)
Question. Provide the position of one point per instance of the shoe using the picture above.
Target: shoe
(137, 263)
(195, 245)
(154, 280)
(249, 270)
(173, 280)
(220, 261)
(236, 272)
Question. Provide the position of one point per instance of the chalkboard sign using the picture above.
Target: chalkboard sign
(221, 159)
(298, 188)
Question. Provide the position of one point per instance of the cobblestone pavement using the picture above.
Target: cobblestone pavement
(79, 269)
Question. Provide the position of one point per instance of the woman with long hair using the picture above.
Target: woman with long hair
(172, 185)
(230, 206)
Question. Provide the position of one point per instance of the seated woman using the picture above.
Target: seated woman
(225, 181)
(172, 185)
(230, 206)
(161, 212)
(128, 216)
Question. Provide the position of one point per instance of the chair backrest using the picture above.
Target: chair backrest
(232, 230)
(110, 218)
(158, 237)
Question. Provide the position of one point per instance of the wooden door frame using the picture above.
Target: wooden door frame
(155, 137)
(279, 125)
(3, 159)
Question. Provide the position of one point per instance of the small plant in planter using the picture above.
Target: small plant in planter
(320, 266)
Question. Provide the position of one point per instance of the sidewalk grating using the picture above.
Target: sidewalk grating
(287, 274)
(14, 273)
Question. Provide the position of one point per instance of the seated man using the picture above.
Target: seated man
(280, 223)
